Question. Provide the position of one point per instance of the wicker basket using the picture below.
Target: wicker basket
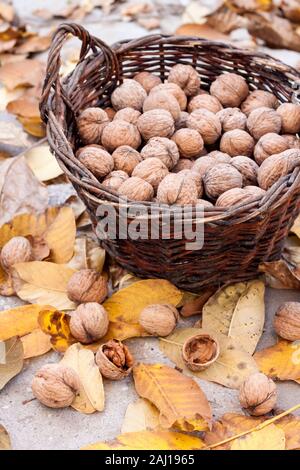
(238, 239)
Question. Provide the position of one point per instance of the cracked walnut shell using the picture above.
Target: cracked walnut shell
(128, 114)
(237, 142)
(90, 124)
(164, 149)
(247, 167)
(258, 99)
(128, 95)
(55, 385)
(89, 322)
(16, 250)
(156, 123)
(177, 188)
(232, 118)
(114, 180)
(126, 158)
(204, 101)
(186, 77)
(290, 117)
(258, 394)
(276, 166)
(263, 121)
(230, 89)
(206, 123)
(137, 189)
(147, 80)
(200, 351)
(287, 321)
(162, 100)
(118, 133)
(220, 178)
(152, 170)
(269, 144)
(96, 159)
(174, 90)
(114, 360)
(87, 285)
(159, 319)
(189, 142)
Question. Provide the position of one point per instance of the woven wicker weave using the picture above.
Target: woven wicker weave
(238, 239)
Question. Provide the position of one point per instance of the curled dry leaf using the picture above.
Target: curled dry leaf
(140, 415)
(279, 275)
(5, 443)
(36, 344)
(194, 305)
(179, 399)
(231, 367)
(11, 359)
(237, 311)
(281, 361)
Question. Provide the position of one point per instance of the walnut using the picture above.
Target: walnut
(87, 285)
(220, 178)
(287, 321)
(119, 133)
(200, 352)
(89, 147)
(263, 121)
(269, 144)
(156, 123)
(114, 360)
(159, 319)
(234, 196)
(176, 188)
(206, 123)
(208, 161)
(152, 170)
(237, 142)
(204, 101)
(55, 385)
(128, 95)
(232, 118)
(16, 250)
(258, 99)
(110, 113)
(136, 189)
(181, 122)
(247, 167)
(204, 203)
(147, 80)
(258, 394)
(230, 89)
(114, 180)
(174, 90)
(126, 158)
(196, 177)
(97, 160)
(189, 142)
(221, 157)
(255, 191)
(89, 322)
(183, 164)
(292, 140)
(164, 149)
(162, 100)
(128, 114)
(186, 77)
(276, 166)
(90, 124)
(290, 117)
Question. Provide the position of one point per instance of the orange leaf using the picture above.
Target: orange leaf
(56, 324)
(281, 361)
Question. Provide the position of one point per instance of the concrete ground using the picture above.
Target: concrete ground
(32, 426)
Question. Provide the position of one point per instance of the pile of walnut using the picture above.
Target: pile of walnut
(175, 143)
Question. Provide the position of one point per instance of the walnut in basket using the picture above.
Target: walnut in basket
(96, 159)
(181, 122)
(277, 166)
(206, 123)
(186, 77)
(164, 149)
(230, 89)
(152, 170)
(262, 121)
(208, 161)
(233, 197)
(237, 142)
(137, 189)
(290, 117)
(232, 118)
(196, 177)
(115, 179)
(90, 124)
(220, 178)
(162, 100)
(156, 123)
(118, 133)
(258, 99)
(175, 90)
(128, 95)
(189, 142)
(247, 167)
(269, 144)
(147, 80)
(128, 114)
(126, 158)
(176, 188)
(183, 164)
(205, 101)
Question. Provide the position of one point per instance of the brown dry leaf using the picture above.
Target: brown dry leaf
(140, 415)
(91, 394)
(194, 305)
(33, 125)
(26, 106)
(20, 321)
(281, 361)
(237, 311)
(35, 344)
(60, 236)
(279, 275)
(43, 282)
(28, 72)
(270, 438)
(291, 252)
(179, 399)
(231, 367)
(11, 359)
(20, 191)
(150, 440)
(57, 325)
(201, 30)
(7, 58)
(5, 443)
(43, 163)
(291, 10)
(33, 44)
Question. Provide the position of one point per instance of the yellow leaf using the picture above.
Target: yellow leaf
(33, 125)
(121, 330)
(140, 415)
(20, 321)
(231, 367)
(43, 163)
(56, 324)
(11, 360)
(269, 438)
(43, 282)
(35, 344)
(5, 443)
(290, 424)
(281, 361)
(180, 400)
(60, 236)
(91, 393)
(237, 311)
(149, 440)
(126, 304)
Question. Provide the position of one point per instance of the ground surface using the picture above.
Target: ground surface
(32, 426)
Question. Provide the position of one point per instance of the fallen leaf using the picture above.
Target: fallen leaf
(57, 325)
(281, 361)
(195, 305)
(279, 275)
(290, 424)
(43, 163)
(237, 311)
(5, 443)
(11, 360)
(87, 255)
(7, 12)
(28, 72)
(60, 236)
(12, 134)
(127, 304)
(35, 344)
(20, 191)
(270, 438)
(43, 282)
(202, 31)
(140, 415)
(179, 399)
(20, 321)
(231, 367)
(33, 44)
(26, 106)
(91, 393)
(150, 440)
(33, 125)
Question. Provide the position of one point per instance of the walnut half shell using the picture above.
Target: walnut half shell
(200, 351)
(114, 360)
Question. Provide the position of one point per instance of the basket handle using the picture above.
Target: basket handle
(89, 42)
